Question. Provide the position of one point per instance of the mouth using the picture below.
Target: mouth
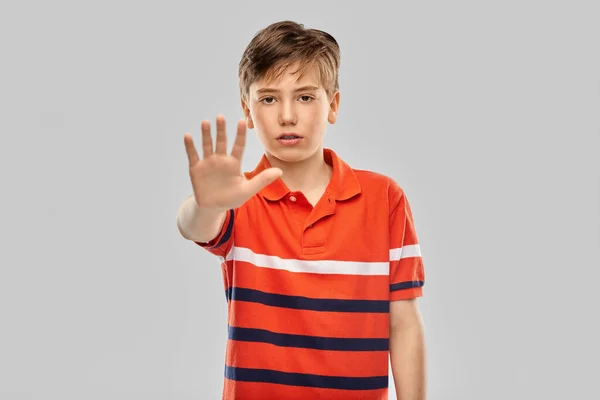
(289, 136)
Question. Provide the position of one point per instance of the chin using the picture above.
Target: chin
(291, 154)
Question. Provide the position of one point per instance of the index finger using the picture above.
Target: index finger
(240, 140)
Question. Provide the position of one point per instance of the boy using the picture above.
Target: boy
(321, 264)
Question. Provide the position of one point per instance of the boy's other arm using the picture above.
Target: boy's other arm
(199, 224)
(407, 350)
(407, 276)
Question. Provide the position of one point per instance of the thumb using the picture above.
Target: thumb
(263, 179)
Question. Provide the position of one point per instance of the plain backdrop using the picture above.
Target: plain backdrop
(486, 113)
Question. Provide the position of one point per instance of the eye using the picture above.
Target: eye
(267, 98)
(308, 97)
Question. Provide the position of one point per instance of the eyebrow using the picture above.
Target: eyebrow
(300, 89)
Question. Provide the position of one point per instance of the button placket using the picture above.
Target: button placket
(297, 209)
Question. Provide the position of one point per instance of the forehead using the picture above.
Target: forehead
(291, 77)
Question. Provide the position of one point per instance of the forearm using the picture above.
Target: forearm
(408, 359)
(201, 225)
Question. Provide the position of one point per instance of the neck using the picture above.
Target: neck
(304, 175)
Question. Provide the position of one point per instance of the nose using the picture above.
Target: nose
(287, 113)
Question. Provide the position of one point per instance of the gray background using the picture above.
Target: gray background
(486, 114)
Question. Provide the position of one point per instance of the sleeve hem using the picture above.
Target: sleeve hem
(217, 241)
(406, 294)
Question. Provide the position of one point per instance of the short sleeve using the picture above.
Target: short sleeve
(407, 275)
(222, 244)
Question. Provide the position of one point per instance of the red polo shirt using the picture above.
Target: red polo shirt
(308, 288)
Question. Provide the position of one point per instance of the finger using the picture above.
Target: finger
(190, 149)
(261, 180)
(207, 143)
(240, 140)
(221, 147)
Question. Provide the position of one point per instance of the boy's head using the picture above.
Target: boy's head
(278, 65)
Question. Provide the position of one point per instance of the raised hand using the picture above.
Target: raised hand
(217, 178)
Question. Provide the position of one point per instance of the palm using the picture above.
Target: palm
(217, 179)
(217, 182)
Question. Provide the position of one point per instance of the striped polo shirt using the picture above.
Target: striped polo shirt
(309, 288)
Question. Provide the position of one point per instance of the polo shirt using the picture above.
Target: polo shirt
(309, 288)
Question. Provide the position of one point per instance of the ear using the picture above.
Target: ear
(247, 115)
(334, 105)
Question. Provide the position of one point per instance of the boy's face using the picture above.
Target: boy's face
(291, 106)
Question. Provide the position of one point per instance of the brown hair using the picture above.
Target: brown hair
(283, 43)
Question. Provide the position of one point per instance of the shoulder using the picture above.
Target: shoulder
(380, 185)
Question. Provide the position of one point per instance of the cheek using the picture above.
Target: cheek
(264, 117)
(315, 116)
(264, 124)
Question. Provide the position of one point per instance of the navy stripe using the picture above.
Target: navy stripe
(307, 342)
(405, 285)
(308, 380)
(227, 234)
(306, 303)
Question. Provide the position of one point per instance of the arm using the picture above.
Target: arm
(407, 350)
(218, 183)
(407, 278)
(199, 224)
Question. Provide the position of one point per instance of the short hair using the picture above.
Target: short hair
(281, 44)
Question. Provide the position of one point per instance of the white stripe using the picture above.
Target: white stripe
(222, 259)
(310, 266)
(412, 250)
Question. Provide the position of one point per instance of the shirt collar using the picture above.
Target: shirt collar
(343, 185)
